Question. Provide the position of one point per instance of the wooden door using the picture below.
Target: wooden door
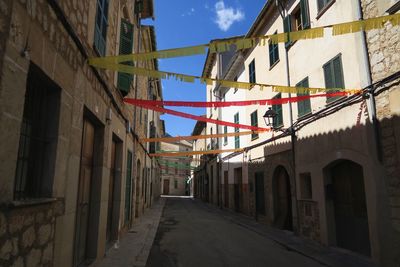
(84, 190)
(166, 187)
(282, 200)
(111, 188)
(226, 189)
(350, 207)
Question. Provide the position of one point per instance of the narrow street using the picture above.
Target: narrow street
(192, 233)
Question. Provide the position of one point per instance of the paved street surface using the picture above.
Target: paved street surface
(192, 233)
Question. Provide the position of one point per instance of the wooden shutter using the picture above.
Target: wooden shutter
(125, 47)
(305, 14)
(303, 107)
(287, 24)
(254, 122)
(338, 72)
(278, 121)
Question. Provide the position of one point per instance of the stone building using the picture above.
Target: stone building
(175, 170)
(318, 173)
(384, 58)
(73, 175)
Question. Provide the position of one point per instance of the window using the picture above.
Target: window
(303, 107)
(176, 184)
(333, 73)
(300, 18)
(225, 137)
(278, 121)
(305, 186)
(237, 138)
(100, 32)
(252, 71)
(38, 138)
(125, 47)
(254, 122)
(273, 53)
(323, 4)
(236, 89)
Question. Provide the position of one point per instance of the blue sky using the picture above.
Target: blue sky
(180, 23)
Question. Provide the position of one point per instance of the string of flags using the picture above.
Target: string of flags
(244, 43)
(192, 153)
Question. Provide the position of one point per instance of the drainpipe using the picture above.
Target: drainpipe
(284, 13)
(371, 98)
(135, 96)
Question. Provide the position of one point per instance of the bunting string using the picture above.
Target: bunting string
(196, 137)
(220, 104)
(204, 119)
(245, 43)
(191, 153)
(230, 84)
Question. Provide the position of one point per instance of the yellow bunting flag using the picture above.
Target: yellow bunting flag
(368, 24)
(307, 34)
(191, 153)
(170, 53)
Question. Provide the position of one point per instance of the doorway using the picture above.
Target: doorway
(166, 187)
(283, 218)
(226, 189)
(259, 190)
(347, 192)
(238, 189)
(84, 193)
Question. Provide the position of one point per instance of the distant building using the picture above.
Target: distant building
(175, 170)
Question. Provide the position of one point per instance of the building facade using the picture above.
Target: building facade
(176, 171)
(318, 173)
(73, 175)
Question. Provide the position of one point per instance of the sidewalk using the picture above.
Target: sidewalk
(328, 256)
(134, 247)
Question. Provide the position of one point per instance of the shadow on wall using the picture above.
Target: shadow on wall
(345, 196)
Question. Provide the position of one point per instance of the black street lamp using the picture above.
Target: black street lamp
(269, 117)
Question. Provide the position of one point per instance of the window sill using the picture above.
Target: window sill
(273, 65)
(31, 202)
(304, 115)
(335, 100)
(325, 8)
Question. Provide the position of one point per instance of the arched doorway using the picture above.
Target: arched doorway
(283, 218)
(346, 200)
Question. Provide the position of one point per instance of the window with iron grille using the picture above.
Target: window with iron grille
(333, 73)
(252, 71)
(237, 137)
(38, 138)
(100, 32)
(254, 122)
(278, 121)
(303, 107)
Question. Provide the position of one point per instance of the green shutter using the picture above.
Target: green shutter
(254, 122)
(333, 72)
(338, 72)
(287, 24)
(125, 47)
(237, 138)
(303, 107)
(305, 14)
(278, 121)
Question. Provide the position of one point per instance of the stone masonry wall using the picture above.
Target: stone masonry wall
(27, 234)
(384, 52)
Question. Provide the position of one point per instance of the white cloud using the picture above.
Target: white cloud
(226, 16)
